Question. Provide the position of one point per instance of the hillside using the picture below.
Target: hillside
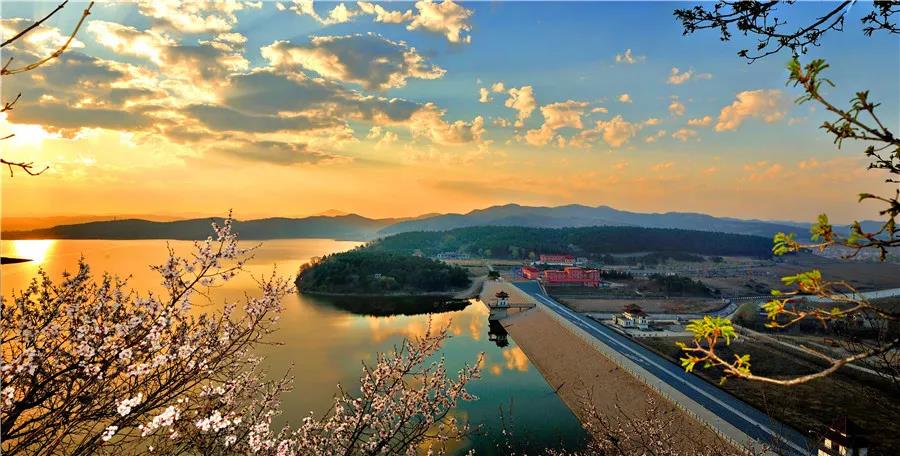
(581, 216)
(521, 242)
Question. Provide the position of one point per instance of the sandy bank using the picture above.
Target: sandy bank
(579, 374)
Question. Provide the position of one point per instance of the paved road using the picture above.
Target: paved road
(739, 414)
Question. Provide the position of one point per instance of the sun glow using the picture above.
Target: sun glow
(35, 250)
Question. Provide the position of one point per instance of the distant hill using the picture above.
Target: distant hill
(346, 227)
(580, 216)
(33, 223)
(332, 213)
(336, 225)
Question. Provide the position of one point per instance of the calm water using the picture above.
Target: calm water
(325, 342)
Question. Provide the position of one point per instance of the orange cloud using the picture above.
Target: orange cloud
(768, 105)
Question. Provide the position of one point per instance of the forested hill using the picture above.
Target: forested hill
(519, 242)
(363, 271)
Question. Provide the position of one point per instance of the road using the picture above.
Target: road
(751, 421)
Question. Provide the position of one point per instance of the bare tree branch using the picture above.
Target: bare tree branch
(55, 54)
(34, 26)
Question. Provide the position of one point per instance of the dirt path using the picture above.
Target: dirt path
(473, 291)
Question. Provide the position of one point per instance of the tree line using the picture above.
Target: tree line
(593, 242)
(362, 271)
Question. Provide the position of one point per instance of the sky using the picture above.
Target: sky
(400, 109)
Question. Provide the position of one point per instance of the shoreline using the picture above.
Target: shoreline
(582, 376)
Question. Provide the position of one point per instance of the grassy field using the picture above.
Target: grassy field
(672, 305)
(864, 275)
(872, 404)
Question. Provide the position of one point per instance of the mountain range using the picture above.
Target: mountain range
(356, 227)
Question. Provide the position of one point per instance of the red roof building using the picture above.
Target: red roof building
(531, 272)
(573, 276)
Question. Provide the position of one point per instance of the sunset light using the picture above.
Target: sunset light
(506, 227)
(35, 250)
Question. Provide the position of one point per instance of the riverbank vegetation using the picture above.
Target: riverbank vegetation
(364, 271)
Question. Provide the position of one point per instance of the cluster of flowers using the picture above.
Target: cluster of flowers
(89, 367)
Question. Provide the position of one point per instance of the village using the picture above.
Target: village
(643, 343)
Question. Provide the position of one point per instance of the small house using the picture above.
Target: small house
(632, 317)
(843, 438)
(502, 299)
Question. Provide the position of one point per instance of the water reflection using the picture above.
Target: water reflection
(35, 250)
(497, 333)
(385, 306)
(324, 342)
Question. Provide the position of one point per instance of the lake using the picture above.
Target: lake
(325, 341)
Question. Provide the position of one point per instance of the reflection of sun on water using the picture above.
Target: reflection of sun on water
(35, 250)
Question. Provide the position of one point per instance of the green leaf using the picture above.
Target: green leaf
(784, 243)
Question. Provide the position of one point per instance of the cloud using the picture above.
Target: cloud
(655, 137)
(62, 116)
(40, 42)
(497, 87)
(676, 108)
(446, 18)
(484, 95)
(625, 98)
(383, 15)
(201, 16)
(275, 152)
(684, 134)
(126, 40)
(231, 41)
(76, 90)
(617, 131)
(599, 109)
(428, 122)
(369, 60)
(203, 97)
(221, 118)
(678, 77)
(265, 92)
(523, 102)
(338, 15)
(205, 66)
(651, 121)
(704, 121)
(385, 137)
(767, 105)
(629, 58)
(762, 170)
(565, 114)
(662, 166)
